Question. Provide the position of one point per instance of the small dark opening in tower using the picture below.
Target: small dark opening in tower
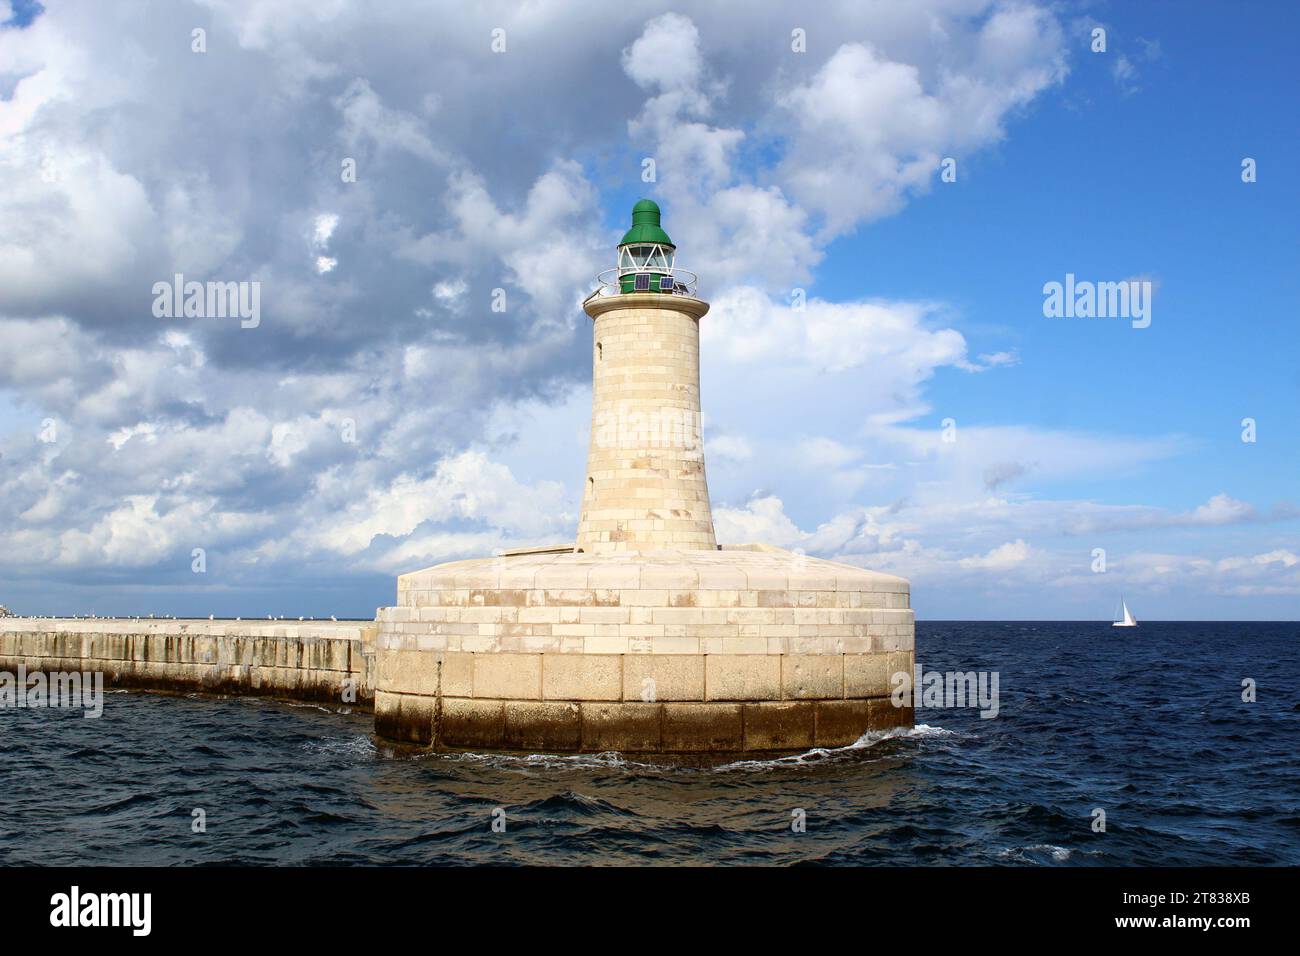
(600, 351)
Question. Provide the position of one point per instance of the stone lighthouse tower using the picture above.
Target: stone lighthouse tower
(645, 485)
(643, 635)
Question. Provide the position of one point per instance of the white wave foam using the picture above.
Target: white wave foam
(607, 760)
(1025, 854)
(360, 744)
(920, 730)
(307, 705)
(821, 754)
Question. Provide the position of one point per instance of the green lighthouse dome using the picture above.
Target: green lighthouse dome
(645, 225)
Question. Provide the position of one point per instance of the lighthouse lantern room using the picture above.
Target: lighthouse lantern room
(646, 256)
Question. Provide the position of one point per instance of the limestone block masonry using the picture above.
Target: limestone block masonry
(665, 652)
(299, 661)
(645, 483)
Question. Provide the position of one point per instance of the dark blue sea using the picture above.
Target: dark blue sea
(1148, 725)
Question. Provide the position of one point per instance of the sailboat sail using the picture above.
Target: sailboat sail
(1128, 619)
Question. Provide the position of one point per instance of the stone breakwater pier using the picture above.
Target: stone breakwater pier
(321, 662)
(642, 635)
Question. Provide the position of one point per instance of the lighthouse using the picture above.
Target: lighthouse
(645, 486)
(643, 634)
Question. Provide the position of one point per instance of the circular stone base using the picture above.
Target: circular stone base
(747, 649)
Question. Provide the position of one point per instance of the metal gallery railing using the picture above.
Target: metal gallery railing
(626, 279)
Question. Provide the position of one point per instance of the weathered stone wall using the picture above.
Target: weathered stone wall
(298, 661)
(645, 485)
(653, 703)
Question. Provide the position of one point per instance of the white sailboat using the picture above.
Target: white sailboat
(1128, 620)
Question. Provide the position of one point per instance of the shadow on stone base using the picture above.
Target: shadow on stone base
(714, 727)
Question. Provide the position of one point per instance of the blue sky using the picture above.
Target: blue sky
(132, 157)
(1101, 182)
